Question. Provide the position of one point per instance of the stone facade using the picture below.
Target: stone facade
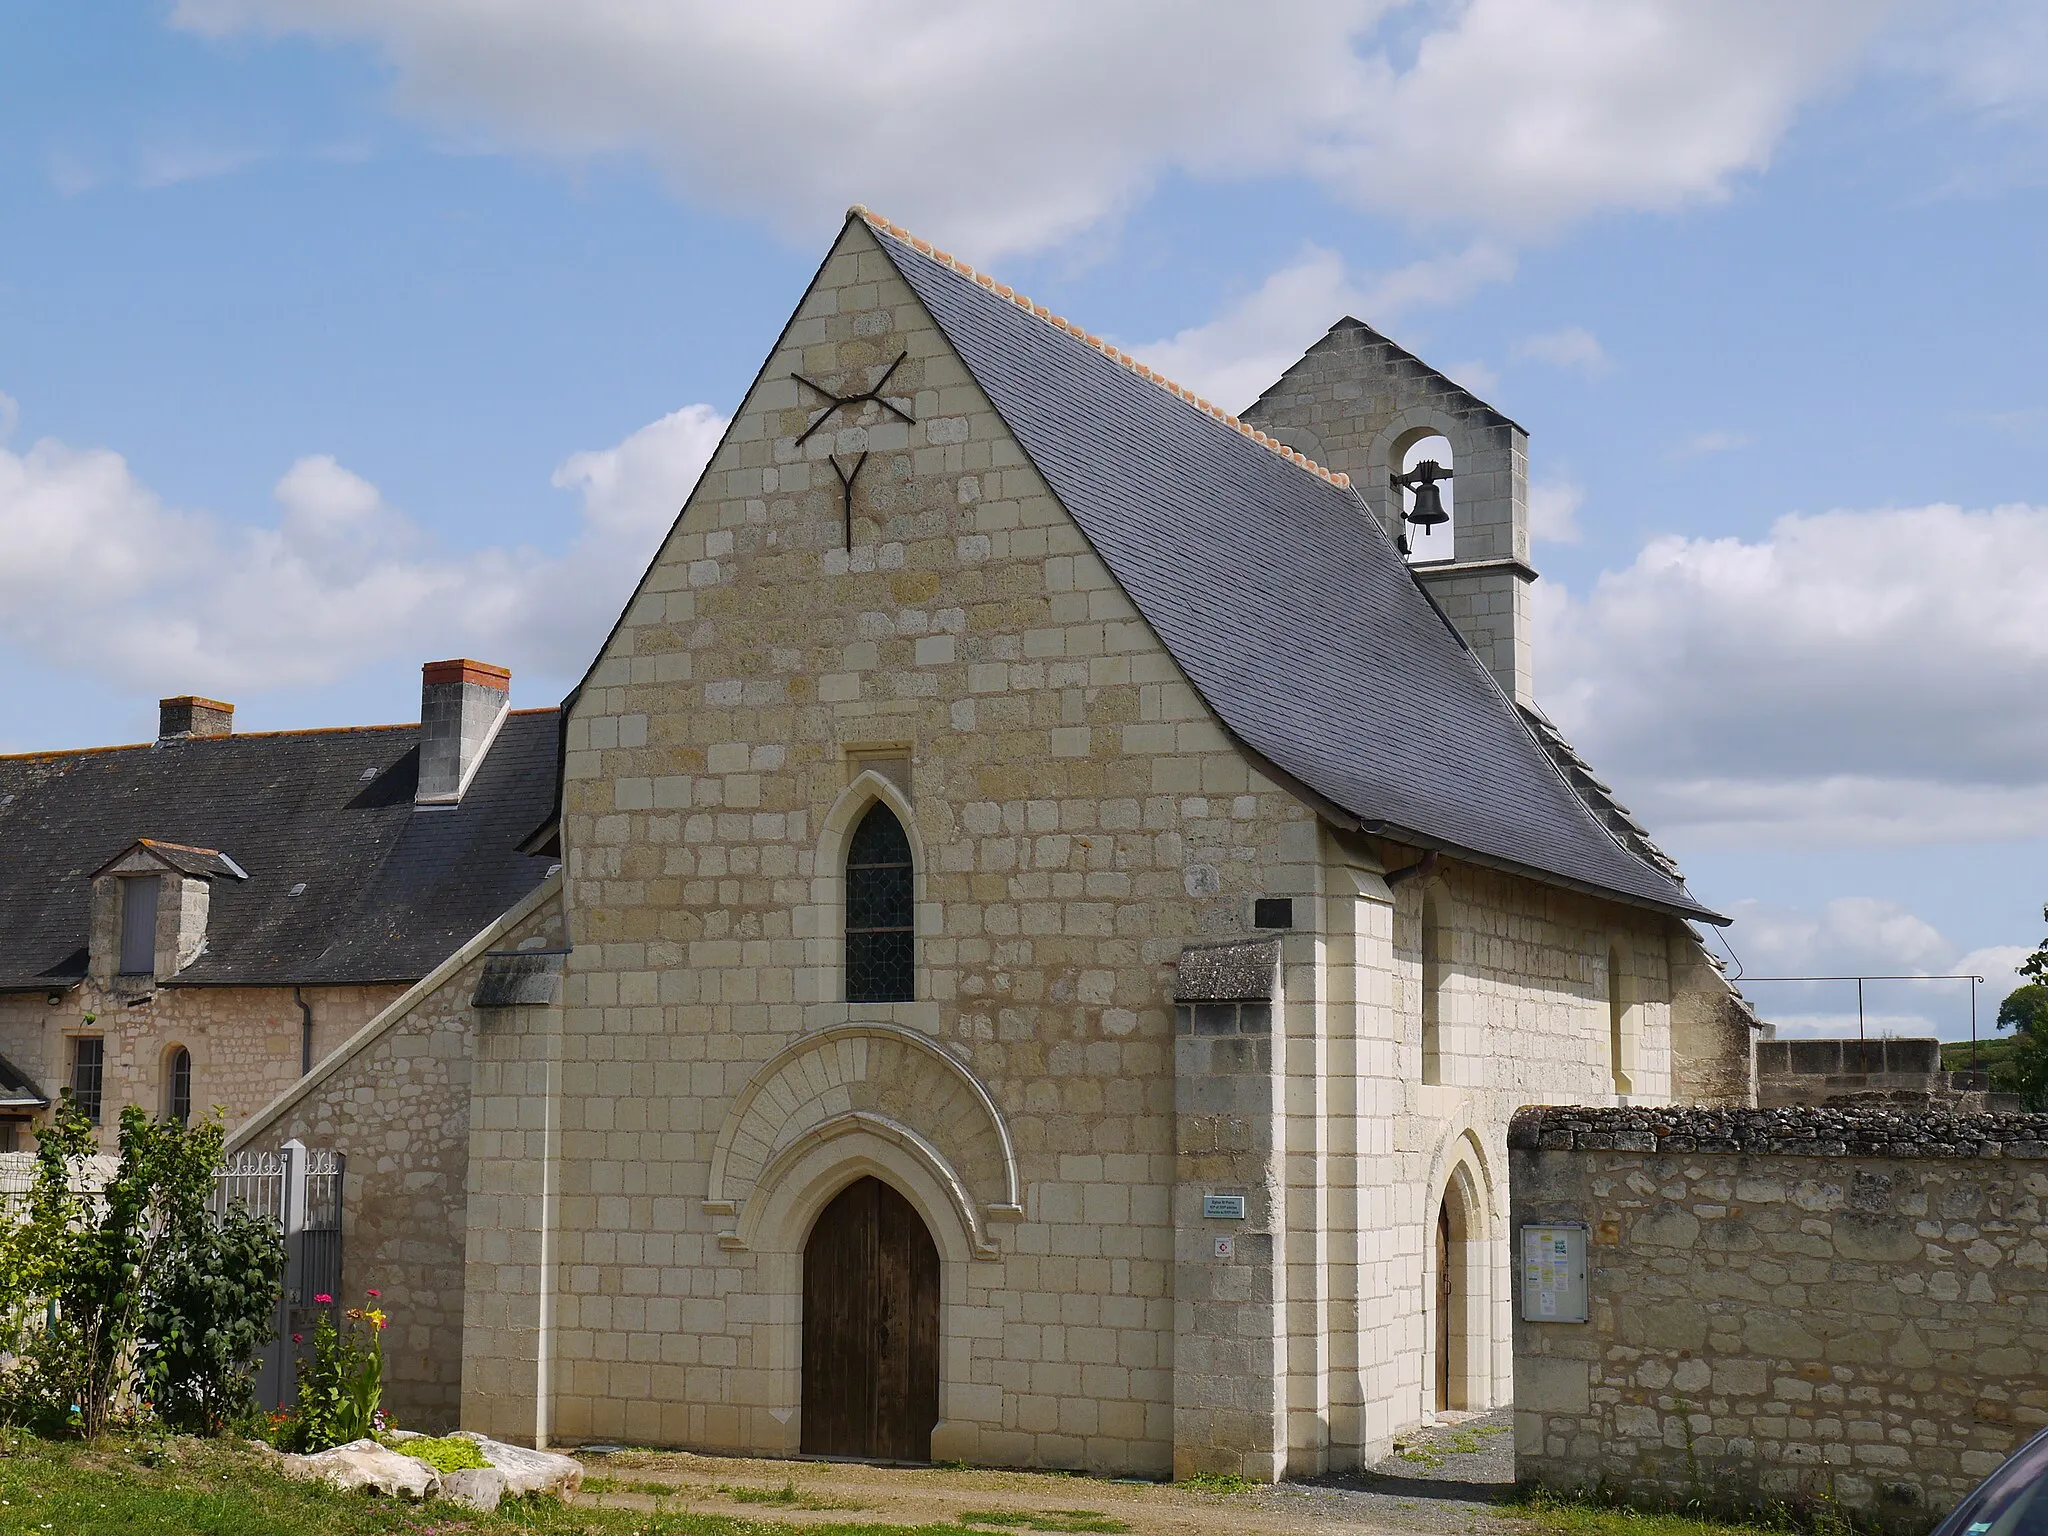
(1839, 1307)
(245, 1042)
(394, 1099)
(649, 1160)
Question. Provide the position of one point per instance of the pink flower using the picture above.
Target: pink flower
(324, 1299)
(373, 1295)
(298, 1338)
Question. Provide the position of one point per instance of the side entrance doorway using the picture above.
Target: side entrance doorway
(1446, 1301)
(871, 1328)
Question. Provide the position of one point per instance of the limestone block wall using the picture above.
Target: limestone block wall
(394, 1099)
(1801, 1306)
(245, 1041)
(1077, 816)
(510, 1276)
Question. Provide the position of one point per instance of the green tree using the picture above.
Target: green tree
(2025, 1012)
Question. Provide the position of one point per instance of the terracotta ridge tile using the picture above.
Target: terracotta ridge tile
(1060, 323)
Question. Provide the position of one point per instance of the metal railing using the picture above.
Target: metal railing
(298, 1189)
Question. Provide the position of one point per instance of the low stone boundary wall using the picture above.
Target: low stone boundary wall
(1806, 1307)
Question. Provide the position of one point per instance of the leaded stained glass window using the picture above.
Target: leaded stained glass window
(881, 923)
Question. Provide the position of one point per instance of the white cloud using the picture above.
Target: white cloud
(1554, 511)
(995, 130)
(1574, 348)
(1854, 678)
(1234, 357)
(165, 165)
(182, 601)
(1712, 442)
(1866, 936)
(634, 490)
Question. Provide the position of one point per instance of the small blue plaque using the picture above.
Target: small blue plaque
(1223, 1207)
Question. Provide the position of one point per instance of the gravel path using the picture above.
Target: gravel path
(1452, 1478)
(1447, 1481)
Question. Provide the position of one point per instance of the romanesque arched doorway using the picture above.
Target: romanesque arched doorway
(871, 1328)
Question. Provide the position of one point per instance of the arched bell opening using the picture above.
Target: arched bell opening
(1422, 477)
(870, 1328)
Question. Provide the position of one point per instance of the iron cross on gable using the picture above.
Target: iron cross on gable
(871, 395)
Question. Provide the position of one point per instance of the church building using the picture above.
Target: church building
(1056, 912)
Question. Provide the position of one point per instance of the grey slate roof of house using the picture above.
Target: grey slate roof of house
(389, 891)
(1284, 601)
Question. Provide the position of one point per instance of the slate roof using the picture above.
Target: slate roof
(1284, 601)
(17, 1090)
(206, 862)
(388, 891)
(1598, 794)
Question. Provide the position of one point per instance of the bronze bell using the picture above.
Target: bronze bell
(1429, 510)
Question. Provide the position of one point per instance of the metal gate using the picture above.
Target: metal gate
(301, 1191)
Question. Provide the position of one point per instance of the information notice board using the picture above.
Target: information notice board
(1554, 1274)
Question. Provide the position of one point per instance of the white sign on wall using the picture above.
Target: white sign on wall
(1554, 1274)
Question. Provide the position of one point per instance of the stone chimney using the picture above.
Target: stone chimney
(1358, 402)
(462, 706)
(190, 715)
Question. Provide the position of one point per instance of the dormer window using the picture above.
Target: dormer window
(149, 907)
(139, 899)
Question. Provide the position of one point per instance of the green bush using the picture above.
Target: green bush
(136, 1296)
(447, 1454)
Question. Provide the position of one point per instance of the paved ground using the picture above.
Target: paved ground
(1446, 1480)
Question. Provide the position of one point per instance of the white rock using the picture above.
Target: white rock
(478, 1487)
(366, 1464)
(528, 1471)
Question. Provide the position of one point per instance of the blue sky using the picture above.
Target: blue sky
(339, 336)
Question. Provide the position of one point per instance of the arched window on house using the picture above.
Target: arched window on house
(881, 911)
(1617, 1022)
(1432, 989)
(178, 1086)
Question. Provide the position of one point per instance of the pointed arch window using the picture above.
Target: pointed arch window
(881, 911)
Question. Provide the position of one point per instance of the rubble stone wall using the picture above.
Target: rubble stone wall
(398, 1108)
(1802, 1306)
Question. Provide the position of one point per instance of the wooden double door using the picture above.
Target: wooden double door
(871, 1328)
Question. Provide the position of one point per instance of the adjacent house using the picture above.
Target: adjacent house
(188, 924)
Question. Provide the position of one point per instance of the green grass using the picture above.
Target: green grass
(1219, 1482)
(1044, 1520)
(1550, 1515)
(183, 1487)
(1992, 1051)
(1433, 1451)
(788, 1496)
